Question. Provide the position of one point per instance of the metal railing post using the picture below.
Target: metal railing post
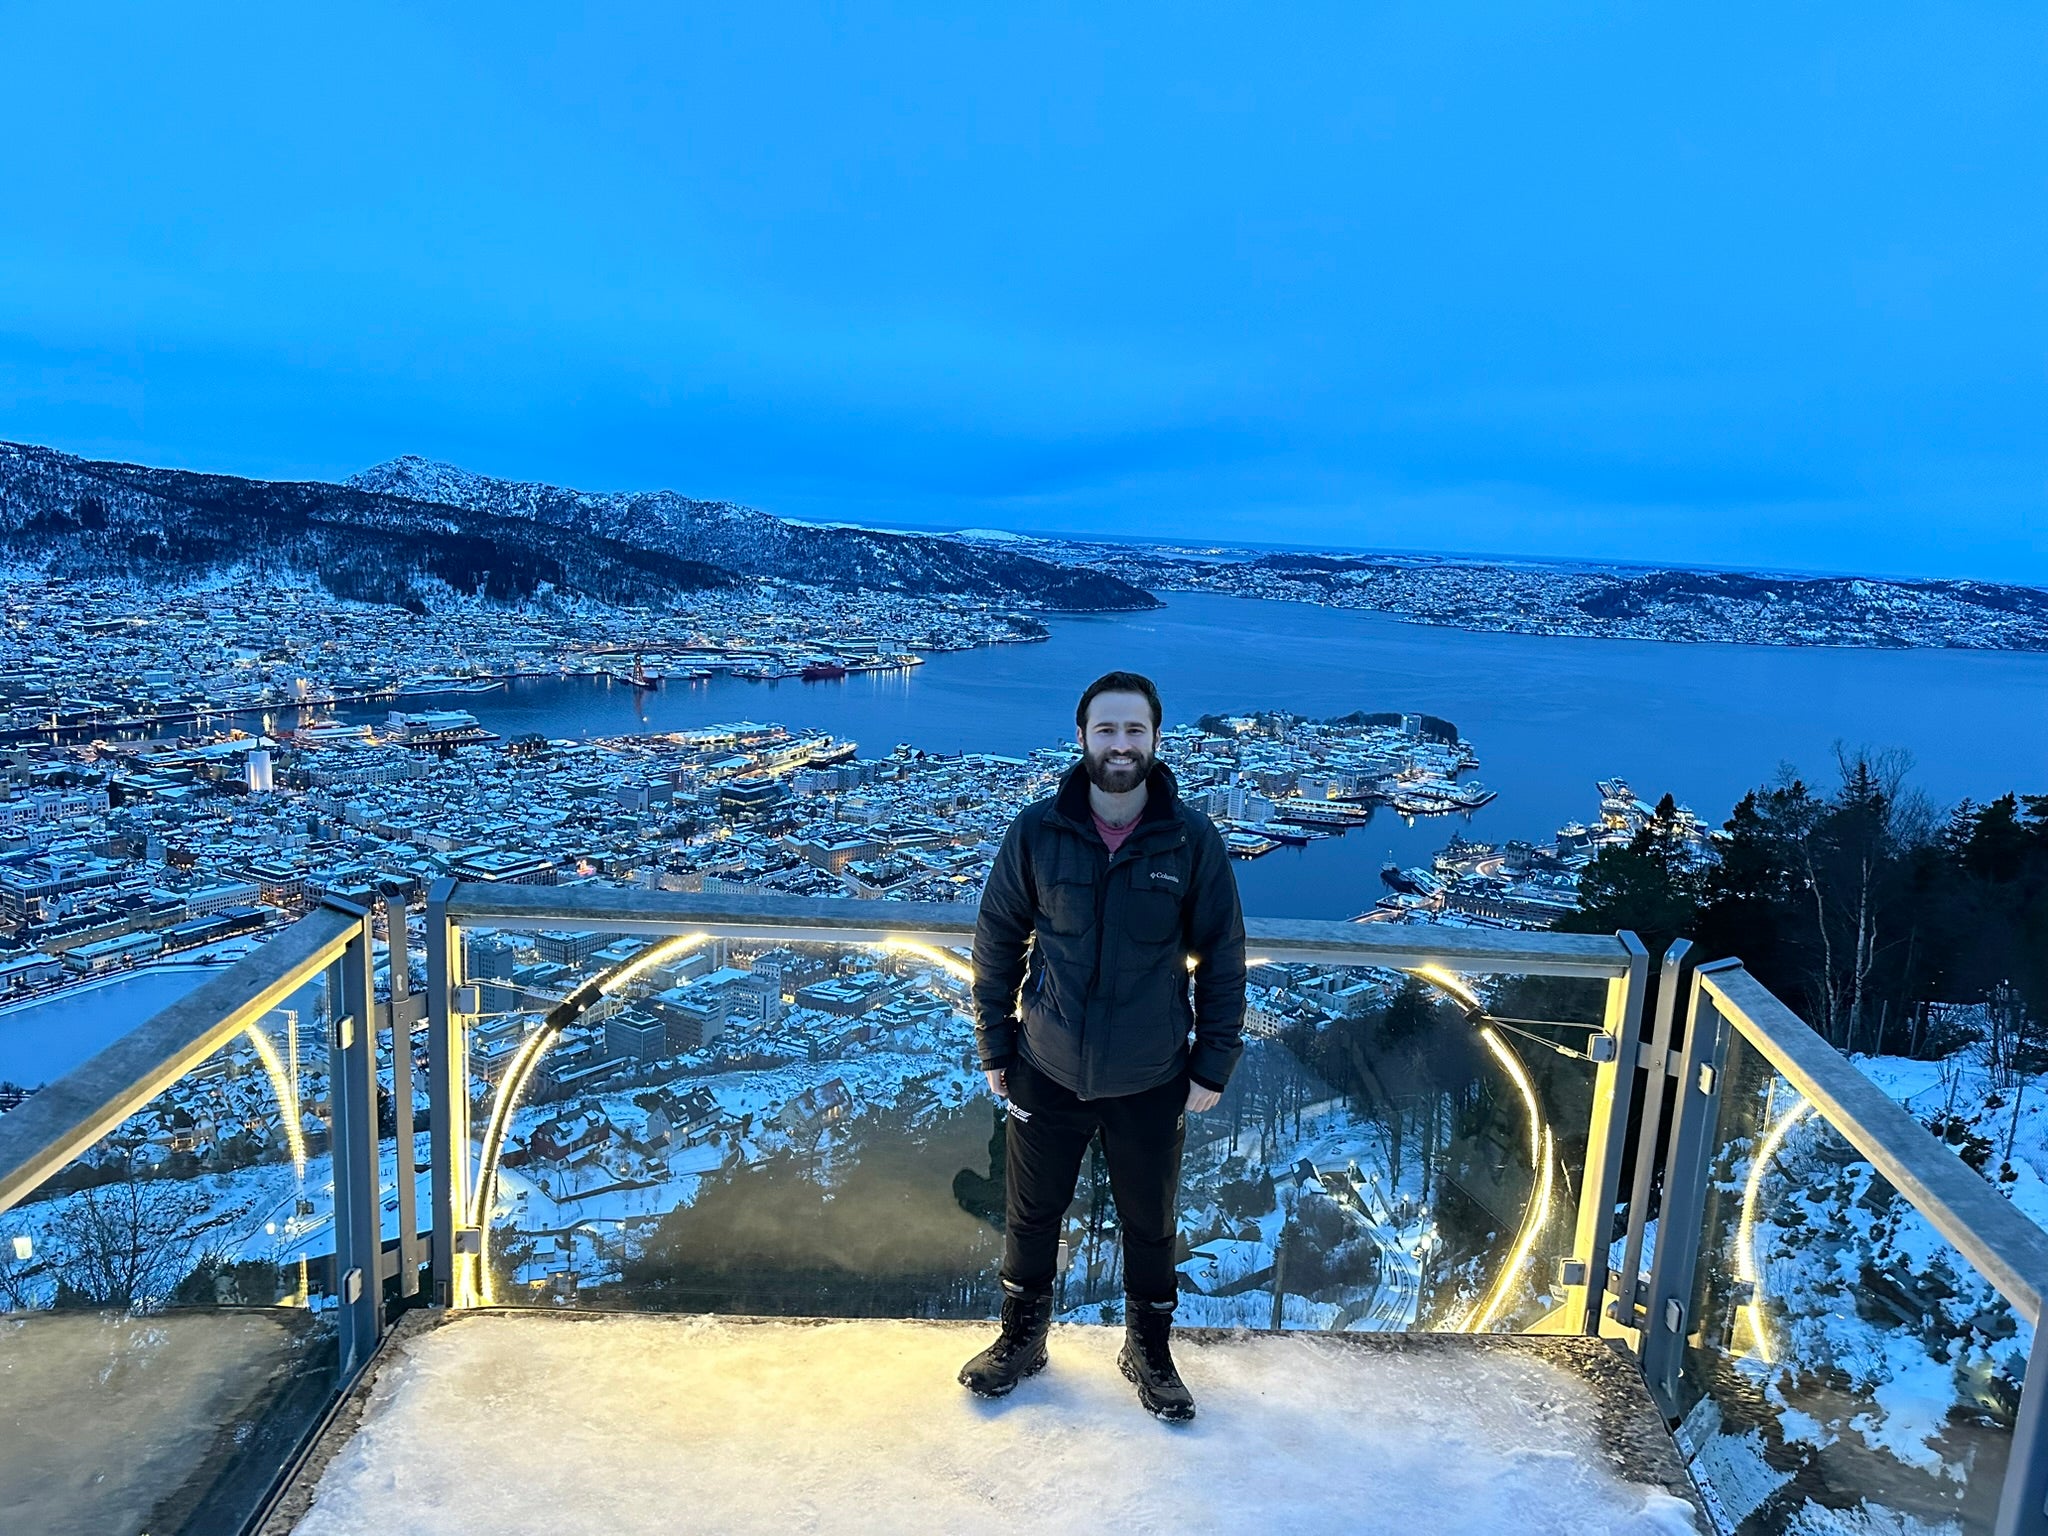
(1685, 1189)
(405, 1168)
(1631, 1290)
(2023, 1500)
(352, 1102)
(1614, 1082)
(447, 1091)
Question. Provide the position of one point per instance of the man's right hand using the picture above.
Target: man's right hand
(998, 1083)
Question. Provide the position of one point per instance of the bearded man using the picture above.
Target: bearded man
(1100, 899)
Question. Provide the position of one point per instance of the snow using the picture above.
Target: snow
(621, 1425)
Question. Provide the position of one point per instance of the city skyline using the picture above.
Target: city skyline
(1754, 294)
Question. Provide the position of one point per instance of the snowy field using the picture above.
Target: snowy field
(625, 1425)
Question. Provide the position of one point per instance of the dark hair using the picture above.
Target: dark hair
(1119, 682)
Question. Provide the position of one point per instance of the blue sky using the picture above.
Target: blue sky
(1747, 285)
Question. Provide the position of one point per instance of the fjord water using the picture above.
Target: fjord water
(1547, 715)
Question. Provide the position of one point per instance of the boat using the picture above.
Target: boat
(639, 677)
(1437, 797)
(822, 671)
(1321, 813)
(451, 685)
(1415, 881)
(1293, 837)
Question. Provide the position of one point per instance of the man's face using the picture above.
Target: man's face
(1117, 745)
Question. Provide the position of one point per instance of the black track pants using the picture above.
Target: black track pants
(1048, 1134)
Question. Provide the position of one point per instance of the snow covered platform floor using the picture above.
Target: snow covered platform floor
(564, 1424)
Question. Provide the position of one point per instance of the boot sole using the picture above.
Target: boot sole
(1172, 1414)
(1030, 1370)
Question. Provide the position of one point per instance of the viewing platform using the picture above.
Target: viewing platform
(659, 1211)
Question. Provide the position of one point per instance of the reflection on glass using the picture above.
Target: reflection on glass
(1849, 1370)
(750, 1125)
(161, 1297)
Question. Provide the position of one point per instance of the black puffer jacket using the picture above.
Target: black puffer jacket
(1099, 946)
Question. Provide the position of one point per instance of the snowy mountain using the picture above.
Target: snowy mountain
(82, 518)
(405, 531)
(754, 543)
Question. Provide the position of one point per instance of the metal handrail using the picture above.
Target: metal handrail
(1991, 1232)
(800, 918)
(57, 1123)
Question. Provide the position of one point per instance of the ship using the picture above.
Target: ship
(1438, 797)
(1416, 881)
(640, 676)
(1321, 813)
(1293, 837)
(1247, 845)
(822, 671)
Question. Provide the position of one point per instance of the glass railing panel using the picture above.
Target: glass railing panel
(728, 1125)
(795, 1128)
(1393, 1153)
(165, 1299)
(1846, 1367)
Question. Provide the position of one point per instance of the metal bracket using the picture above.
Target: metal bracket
(1603, 1048)
(1626, 1315)
(468, 998)
(469, 1240)
(1707, 1078)
(402, 1012)
(1571, 1272)
(1674, 1316)
(352, 1286)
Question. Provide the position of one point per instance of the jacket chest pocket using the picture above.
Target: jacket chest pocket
(1152, 916)
(1152, 904)
(1069, 905)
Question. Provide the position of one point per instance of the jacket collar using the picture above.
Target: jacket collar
(1162, 798)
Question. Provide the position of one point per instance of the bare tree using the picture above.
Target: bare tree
(126, 1244)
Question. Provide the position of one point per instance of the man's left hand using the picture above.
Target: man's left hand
(1200, 1098)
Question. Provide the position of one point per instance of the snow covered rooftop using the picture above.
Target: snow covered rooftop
(564, 1424)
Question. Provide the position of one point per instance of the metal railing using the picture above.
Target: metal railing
(1726, 1003)
(1681, 1050)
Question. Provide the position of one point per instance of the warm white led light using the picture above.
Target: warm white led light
(1536, 1215)
(287, 1093)
(1450, 981)
(951, 963)
(1747, 1269)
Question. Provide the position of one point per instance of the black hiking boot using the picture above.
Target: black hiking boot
(1146, 1361)
(1019, 1350)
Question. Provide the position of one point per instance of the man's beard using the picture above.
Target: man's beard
(1117, 778)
